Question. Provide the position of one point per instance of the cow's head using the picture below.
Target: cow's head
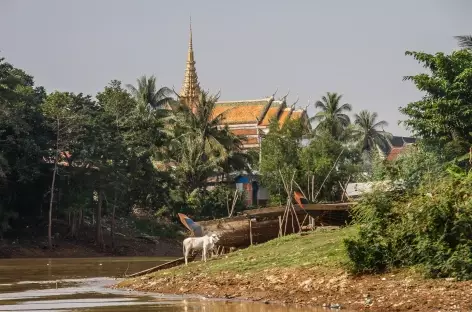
(215, 238)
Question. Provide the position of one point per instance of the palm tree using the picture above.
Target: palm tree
(200, 140)
(146, 92)
(190, 170)
(332, 116)
(465, 41)
(368, 131)
(216, 140)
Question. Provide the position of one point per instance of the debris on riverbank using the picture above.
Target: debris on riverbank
(306, 270)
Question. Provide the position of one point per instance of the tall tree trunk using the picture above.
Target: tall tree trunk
(73, 230)
(99, 219)
(50, 207)
(112, 228)
(81, 219)
(56, 159)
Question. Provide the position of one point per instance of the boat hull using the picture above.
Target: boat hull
(262, 225)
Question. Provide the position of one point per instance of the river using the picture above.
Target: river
(81, 284)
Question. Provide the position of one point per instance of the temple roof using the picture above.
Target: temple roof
(257, 112)
(272, 112)
(285, 115)
(242, 112)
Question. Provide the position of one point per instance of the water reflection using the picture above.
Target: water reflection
(82, 285)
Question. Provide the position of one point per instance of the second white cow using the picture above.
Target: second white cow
(204, 243)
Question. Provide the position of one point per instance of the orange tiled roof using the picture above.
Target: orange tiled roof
(394, 153)
(271, 113)
(284, 116)
(297, 114)
(244, 131)
(240, 112)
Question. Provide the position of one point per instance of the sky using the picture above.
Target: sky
(245, 49)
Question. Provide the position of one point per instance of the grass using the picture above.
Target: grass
(319, 248)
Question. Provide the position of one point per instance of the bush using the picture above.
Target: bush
(431, 228)
(202, 204)
(211, 204)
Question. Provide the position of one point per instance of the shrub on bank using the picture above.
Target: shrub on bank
(431, 228)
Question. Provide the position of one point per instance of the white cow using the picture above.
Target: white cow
(204, 243)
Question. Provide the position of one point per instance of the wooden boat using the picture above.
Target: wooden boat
(263, 224)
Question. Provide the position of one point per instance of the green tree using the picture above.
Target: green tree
(146, 92)
(280, 158)
(23, 142)
(332, 115)
(63, 111)
(370, 132)
(443, 114)
(216, 141)
(117, 106)
(128, 139)
(465, 41)
(328, 163)
(218, 145)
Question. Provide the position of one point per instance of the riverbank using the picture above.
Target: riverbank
(308, 270)
(133, 237)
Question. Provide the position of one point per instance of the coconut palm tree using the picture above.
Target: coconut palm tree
(146, 92)
(369, 131)
(216, 140)
(332, 115)
(218, 148)
(465, 41)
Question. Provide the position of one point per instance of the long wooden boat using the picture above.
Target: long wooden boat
(263, 224)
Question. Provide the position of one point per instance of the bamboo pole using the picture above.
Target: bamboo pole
(280, 226)
(326, 178)
(312, 188)
(300, 189)
(308, 178)
(250, 230)
(235, 198)
(292, 206)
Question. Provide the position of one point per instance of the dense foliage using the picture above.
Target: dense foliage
(443, 114)
(75, 158)
(430, 228)
(322, 160)
(426, 223)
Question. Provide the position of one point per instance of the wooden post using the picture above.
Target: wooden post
(280, 226)
(250, 230)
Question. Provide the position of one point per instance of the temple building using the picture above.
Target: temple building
(249, 118)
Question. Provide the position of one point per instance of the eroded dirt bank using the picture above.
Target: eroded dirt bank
(32, 242)
(68, 248)
(318, 287)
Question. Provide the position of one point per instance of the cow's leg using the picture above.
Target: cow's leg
(204, 254)
(186, 253)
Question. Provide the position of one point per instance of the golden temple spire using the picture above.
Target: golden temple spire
(190, 88)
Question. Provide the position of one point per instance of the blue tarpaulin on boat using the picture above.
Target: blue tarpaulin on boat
(193, 226)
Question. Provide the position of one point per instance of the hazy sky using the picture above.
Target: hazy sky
(244, 48)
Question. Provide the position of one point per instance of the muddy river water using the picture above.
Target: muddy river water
(82, 285)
